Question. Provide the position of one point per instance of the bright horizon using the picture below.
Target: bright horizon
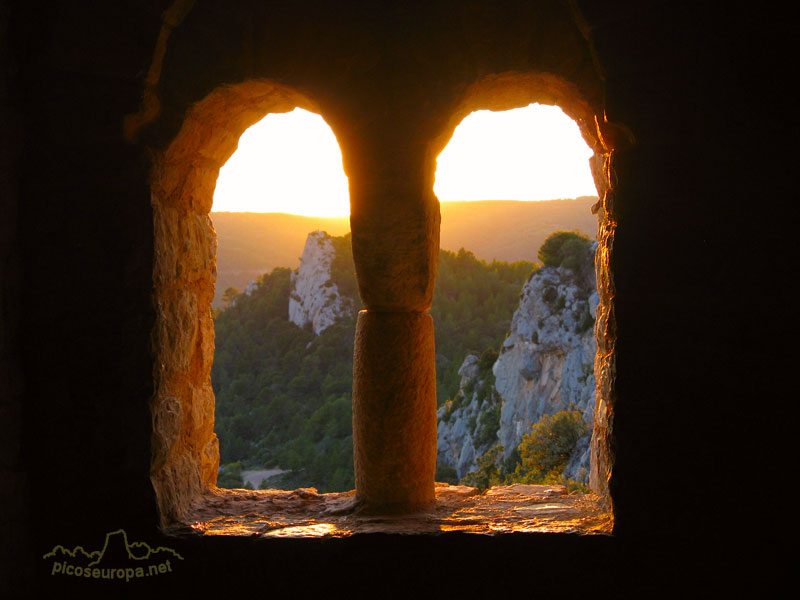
(528, 154)
(291, 163)
(286, 163)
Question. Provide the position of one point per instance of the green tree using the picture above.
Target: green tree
(487, 360)
(488, 472)
(446, 474)
(545, 451)
(284, 395)
(229, 295)
(564, 249)
(230, 476)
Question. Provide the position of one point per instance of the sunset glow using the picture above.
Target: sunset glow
(531, 153)
(291, 163)
(287, 163)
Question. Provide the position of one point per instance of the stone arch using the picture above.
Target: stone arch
(185, 451)
(509, 90)
(390, 133)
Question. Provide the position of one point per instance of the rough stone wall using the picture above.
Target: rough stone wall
(674, 244)
(602, 452)
(184, 445)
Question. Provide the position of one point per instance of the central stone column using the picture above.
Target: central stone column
(394, 410)
(395, 231)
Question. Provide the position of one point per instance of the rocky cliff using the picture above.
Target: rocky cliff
(315, 299)
(545, 365)
(468, 424)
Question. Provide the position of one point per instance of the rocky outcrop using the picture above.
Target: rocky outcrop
(546, 363)
(252, 286)
(315, 300)
(468, 423)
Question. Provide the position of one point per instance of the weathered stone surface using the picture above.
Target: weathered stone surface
(518, 489)
(315, 299)
(601, 451)
(183, 408)
(306, 513)
(185, 449)
(394, 410)
(395, 230)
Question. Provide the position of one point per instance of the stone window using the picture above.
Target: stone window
(395, 282)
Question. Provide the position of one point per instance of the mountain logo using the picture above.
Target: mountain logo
(118, 559)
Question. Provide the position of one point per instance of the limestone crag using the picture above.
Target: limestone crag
(546, 363)
(315, 299)
(252, 286)
(468, 424)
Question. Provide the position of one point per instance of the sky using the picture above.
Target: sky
(291, 163)
(531, 153)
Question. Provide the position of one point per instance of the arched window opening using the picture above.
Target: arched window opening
(185, 448)
(186, 451)
(285, 307)
(516, 394)
(512, 90)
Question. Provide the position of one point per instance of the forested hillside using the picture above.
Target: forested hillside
(284, 393)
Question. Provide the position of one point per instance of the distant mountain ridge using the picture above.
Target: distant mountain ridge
(511, 230)
(250, 244)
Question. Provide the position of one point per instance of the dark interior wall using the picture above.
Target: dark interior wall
(677, 248)
(84, 246)
(14, 495)
(693, 333)
(76, 251)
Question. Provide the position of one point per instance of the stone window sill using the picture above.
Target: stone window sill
(304, 513)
